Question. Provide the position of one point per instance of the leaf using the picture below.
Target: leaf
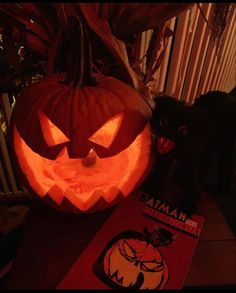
(153, 63)
(153, 49)
(114, 23)
(52, 51)
(64, 10)
(40, 16)
(50, 27)
(11, 53)
(31, 11)
(168, 32)
(34, 27)
(16, 33)
(62, 15)
(115, 46)
(132, 18)
(36, 44)
(158, 62)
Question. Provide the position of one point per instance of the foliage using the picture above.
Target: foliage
(34, 38)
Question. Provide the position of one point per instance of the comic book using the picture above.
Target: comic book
(144, 244)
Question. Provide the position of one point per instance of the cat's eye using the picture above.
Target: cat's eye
(163, 122)
(183, 130)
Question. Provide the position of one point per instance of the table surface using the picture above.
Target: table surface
(52, 242)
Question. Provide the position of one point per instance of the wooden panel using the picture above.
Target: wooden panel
(202, 55)
(192, 25)
(231, 80)
(213, 264)
(215, 226)
(8, 181)
(6, 107)
(195, 54)
(211, 75)
(230, 57)
(3, 181)
(207, 68)
(173, 73)
(212, 83)
(146, 36)
(229, 41)
(163, 68)
(7, 162)
(230, 68)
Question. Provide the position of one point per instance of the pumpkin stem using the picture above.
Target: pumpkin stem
(80, 58)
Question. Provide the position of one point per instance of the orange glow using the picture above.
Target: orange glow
(52, 134)
(106, 134)
(84, 185)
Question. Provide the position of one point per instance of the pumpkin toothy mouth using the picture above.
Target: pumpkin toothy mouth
(115, 277)
(119, 280)
(84, 181)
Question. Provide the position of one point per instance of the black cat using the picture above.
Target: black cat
(191, 135)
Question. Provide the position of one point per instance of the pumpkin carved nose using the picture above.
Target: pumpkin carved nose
(90, 160)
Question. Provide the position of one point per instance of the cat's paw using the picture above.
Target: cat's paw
(151, 189)
(224, 188)
(209, 187)
(189, 207)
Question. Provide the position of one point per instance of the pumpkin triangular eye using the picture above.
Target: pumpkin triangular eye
(51, 133)
(128, 250)
(105, 135)
(152, 266)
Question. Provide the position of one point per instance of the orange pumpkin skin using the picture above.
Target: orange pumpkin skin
(76, 115)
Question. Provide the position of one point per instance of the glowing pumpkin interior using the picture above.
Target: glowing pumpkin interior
(83, 181)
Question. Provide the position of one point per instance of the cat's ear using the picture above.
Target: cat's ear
(183, 130)
(164, 122)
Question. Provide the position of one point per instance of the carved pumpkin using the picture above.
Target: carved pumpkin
(132, 261)
(81, 149)
(81, 144)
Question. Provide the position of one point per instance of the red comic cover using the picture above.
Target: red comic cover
(144, 244)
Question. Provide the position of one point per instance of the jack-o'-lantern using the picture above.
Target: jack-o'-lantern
(132, 260)
(81, 148)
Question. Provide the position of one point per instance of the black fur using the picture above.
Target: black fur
(200, 132)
